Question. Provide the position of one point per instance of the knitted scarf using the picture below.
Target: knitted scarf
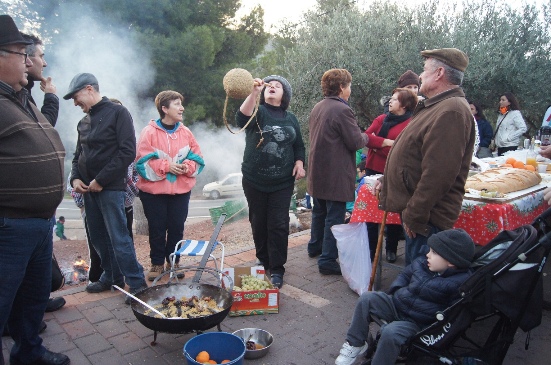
(392, 120)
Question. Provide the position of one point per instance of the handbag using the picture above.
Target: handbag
(58, 279)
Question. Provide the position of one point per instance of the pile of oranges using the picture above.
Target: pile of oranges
(511, 162)
(204, 358)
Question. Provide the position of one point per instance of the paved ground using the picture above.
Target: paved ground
(314, 315)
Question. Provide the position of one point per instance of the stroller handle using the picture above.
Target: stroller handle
(545, 215)
(543, 224)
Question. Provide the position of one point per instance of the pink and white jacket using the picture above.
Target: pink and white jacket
(156, 148)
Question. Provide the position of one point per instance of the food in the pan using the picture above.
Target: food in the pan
(186, 307)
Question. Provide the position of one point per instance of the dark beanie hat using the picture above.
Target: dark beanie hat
(455, 245)
(408, 78)
(286, 86)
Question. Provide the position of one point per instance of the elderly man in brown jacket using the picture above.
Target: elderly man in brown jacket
(429, 162)
(334, 139)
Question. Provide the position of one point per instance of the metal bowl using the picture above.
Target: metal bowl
(259, 336)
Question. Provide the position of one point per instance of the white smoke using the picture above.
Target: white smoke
(83, 43)
(222, 152)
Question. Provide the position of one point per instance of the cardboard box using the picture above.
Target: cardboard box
(251, 302)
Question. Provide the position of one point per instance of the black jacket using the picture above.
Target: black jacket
(106, 146)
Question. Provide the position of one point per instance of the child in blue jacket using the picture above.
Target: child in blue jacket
(428, 285)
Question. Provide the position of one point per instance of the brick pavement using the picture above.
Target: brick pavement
(315, 312)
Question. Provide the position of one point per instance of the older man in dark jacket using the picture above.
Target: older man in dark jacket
(31, 188)
(334, 139)
(105, 148)
(427, 167)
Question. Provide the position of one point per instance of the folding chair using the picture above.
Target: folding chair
(195, 248)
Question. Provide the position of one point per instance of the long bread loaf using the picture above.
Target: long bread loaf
(503, 180)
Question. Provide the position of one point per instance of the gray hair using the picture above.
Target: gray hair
(454, 76)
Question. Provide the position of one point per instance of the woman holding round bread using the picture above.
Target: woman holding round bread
(273, 159)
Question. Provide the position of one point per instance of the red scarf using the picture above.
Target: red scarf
(504, 109)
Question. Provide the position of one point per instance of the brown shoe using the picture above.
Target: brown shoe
(155, 271)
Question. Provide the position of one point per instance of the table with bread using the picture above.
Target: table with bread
(497, 199)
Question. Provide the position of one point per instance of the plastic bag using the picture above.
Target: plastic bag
(354, 257)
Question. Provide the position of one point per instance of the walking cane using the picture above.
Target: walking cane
(377, 251)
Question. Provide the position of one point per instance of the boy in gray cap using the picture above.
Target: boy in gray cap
(430, 284)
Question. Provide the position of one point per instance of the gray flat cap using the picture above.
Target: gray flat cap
(79, 82)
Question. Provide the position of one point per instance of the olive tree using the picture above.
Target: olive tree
(508, 49)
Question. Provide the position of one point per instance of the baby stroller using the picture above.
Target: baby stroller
(504, 293)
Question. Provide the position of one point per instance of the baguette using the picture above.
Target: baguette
(503, 180)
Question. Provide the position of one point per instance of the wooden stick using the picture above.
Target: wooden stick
(377, 252)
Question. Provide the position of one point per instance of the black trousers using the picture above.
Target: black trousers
(393, 231)
(393, 235)
(269, 218)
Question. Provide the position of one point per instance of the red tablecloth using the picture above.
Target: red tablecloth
(483, 221)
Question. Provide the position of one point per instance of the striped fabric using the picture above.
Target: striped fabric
(194, 247)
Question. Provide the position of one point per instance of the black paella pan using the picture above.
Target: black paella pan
(156, 294)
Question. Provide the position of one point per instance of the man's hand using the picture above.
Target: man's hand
(79, 186)
(547, 195)
(377, 188)
(409, 232)
(94, 187)
(47, 86)
(545, 151)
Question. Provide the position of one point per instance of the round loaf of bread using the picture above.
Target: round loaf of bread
(503, 180)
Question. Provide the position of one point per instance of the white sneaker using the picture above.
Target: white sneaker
(349, 353)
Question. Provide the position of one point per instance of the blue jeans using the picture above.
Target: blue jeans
(326, 214)
(25, 282)
(166, 215)
(106, 221)
(393, 335)
(414, 245)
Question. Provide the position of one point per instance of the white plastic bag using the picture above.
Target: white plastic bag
(354, 257)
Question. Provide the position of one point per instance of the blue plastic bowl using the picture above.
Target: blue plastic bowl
(219, 345)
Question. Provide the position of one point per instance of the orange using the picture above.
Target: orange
(202, 357)
(506, 165)
(519, 164)
(530, 167)
(225, 361)
(510, 161)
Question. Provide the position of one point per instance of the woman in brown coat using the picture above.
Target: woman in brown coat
(334, 139)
